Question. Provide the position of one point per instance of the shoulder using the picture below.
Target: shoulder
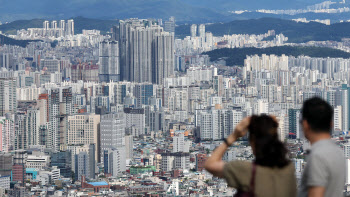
(237, 173)
(238, 166)
(326, 151)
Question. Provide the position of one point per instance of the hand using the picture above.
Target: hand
(242, 128)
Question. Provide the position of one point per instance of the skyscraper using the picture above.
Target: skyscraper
(109, 68)
(140, 40)
(46, 25)
(115, 33)
(169, 26)
(70, 27)
(193, 30)
(32, 127)
(7, 133)
(84, 129)
(62, 27)
(54, 24)
(112, 130)
(8, 101)
(201, 30)
(163, 57)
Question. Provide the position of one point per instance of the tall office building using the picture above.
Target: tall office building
(109, 67)
(112, 130)
(84, 129)
(63, 161)
(135, 121)
(82, 166)
(163, 57)
(201, 30)
(193, 30)
(8, 101)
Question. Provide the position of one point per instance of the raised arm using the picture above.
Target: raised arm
(214, 163)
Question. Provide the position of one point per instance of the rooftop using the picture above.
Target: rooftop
(101, 183)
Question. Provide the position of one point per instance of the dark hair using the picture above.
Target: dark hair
(269, 150)
(318, 113)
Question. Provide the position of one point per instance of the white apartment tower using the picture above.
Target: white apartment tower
(201, 30)
(193, 30)
(70, 27)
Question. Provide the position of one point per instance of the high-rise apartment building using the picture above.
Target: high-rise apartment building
(54, 24)
(7, 133)
(144, 48)
(163, 57)
(109, 67)
(201, 31)
(8, 95)
(193, 30)
(169, 26)
(70, 27)
(46, 25)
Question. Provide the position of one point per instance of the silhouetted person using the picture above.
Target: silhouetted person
(324, 173)
(270, 174)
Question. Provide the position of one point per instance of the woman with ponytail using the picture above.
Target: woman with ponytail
(270, 174)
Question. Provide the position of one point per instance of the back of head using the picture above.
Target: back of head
(269, 150)
(318, 114)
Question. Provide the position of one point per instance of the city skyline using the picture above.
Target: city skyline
(135, 106)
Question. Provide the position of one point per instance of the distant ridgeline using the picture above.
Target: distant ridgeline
(296, 32)
(80, 23)
(236, 56)
(10, 41)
